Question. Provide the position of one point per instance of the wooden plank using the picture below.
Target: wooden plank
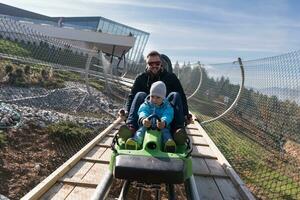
(56, 192)
(106, 155)
(212, 146)
(191, 128)
(106, 141)
(199, 166)
(198, 141)
(96, 152)
(79, 170)
(96, 173)
(93, 160)
(227, 188)
(207, 188)
(111, 135)
(77, 183)
(203, 152)
(45, 185)
(81, 193)
(103, 145)
(215, 168)
(193, 132)
(93, 176)
(244, 191)
(76, 173)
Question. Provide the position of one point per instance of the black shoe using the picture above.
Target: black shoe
(170, 146)
(180, 136)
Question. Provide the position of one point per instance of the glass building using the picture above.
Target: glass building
(98, 24)
(101, 24)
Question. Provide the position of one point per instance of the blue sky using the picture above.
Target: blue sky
(211, 31)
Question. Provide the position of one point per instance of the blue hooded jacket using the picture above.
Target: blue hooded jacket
(165, 111)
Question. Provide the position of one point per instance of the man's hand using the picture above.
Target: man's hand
(161, 124)
(122, 114)
(146, 123)
(188, 119)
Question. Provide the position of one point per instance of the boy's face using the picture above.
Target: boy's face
(156, 100)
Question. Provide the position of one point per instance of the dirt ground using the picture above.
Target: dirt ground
(29, 156)
(147, 194)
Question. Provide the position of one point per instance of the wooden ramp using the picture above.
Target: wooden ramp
(214, 177)
(78, 178)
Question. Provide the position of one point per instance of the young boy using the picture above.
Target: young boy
(155, 103)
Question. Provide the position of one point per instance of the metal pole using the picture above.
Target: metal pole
(112, 54)
(157, 194)
(236, 99)
(171, 192)
(140, 194)
(124, 190)
(103, 187)
(191, 189)
(199, 84)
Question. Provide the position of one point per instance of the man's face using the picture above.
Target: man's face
(154, 64)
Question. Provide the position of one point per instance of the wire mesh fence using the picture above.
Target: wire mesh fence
(55, 97)
(260, 134)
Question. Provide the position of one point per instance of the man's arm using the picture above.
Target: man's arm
(135, 89)
(178, 88)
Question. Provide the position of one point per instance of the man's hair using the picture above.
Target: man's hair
(153, 53)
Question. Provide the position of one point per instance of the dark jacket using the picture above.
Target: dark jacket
(143, 83)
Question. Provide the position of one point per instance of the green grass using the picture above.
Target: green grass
(68, 130)
(9, 47)
(2, 138)
(262, 170)
(97, 84)
(68, 76)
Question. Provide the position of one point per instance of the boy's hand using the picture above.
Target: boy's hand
(161, 124)
(146, 123)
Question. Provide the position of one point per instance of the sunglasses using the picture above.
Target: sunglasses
(155, 63)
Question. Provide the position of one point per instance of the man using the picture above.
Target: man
(141, 88)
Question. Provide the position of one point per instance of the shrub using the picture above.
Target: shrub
(44, 74)
(27, 70)
(19, 73)
(8, 69)
(68, 130)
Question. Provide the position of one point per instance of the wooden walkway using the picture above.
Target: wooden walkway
(78, 178)
(214, 177)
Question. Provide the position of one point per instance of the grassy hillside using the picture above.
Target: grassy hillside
(266, 174)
